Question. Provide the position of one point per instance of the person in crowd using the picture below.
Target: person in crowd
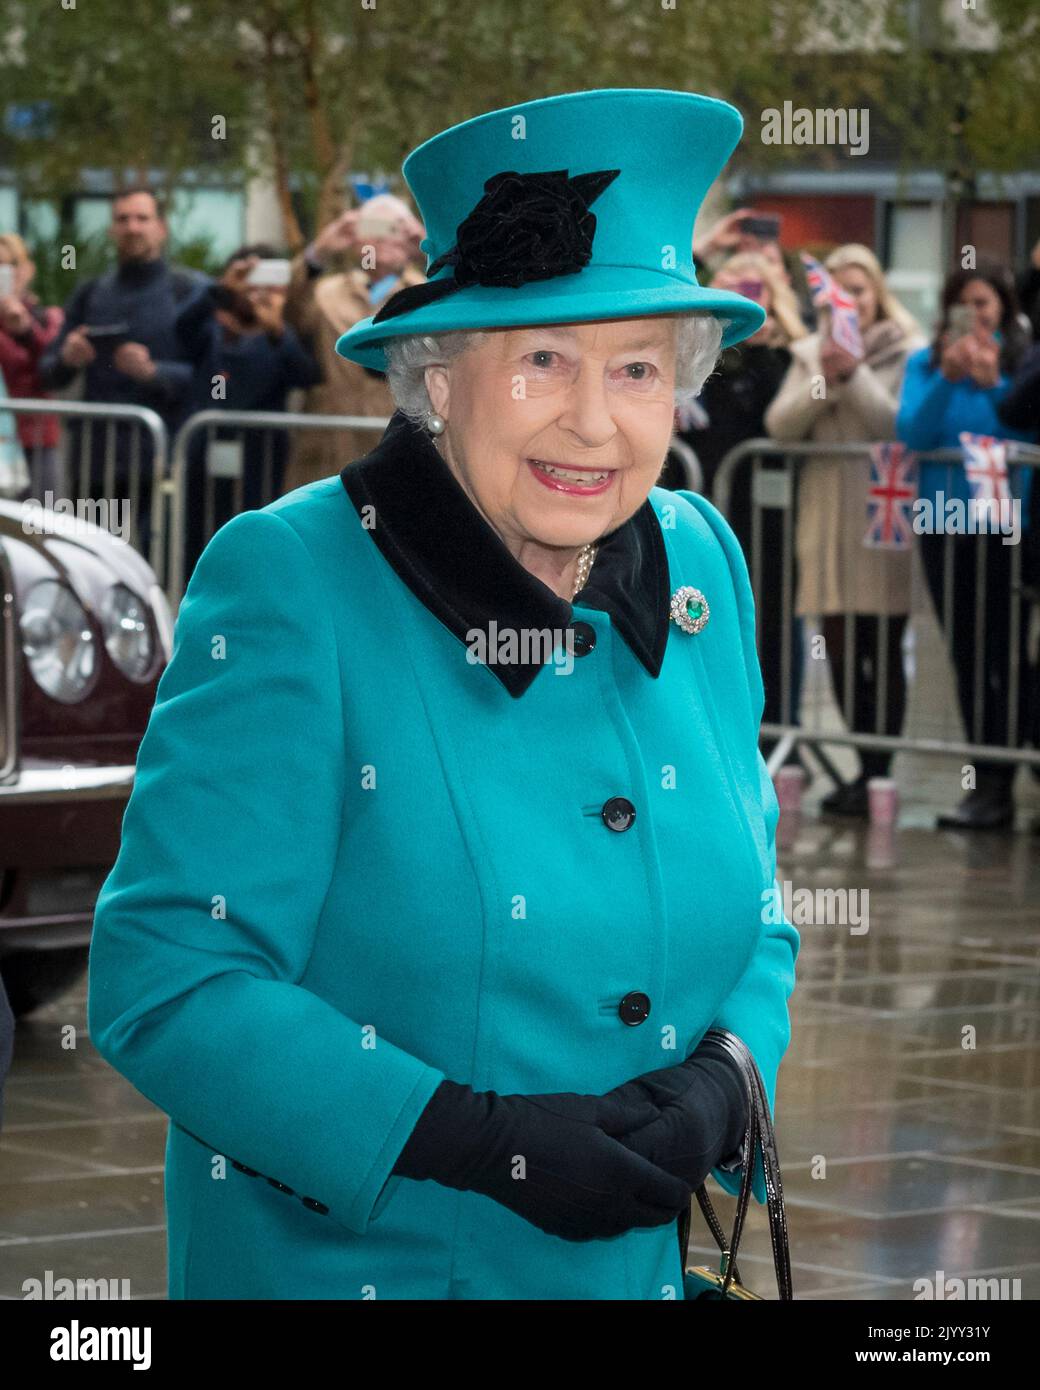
(14, 472)
(466, 924)
(862, 594)
(731, 409)
(119, 334)
(748, 375)
(1029, 289)
(957, 384)
(27, 328)
(729, 237)
(328, 293)
(1020, 410)
(245, 357)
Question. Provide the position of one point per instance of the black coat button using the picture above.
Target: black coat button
(618, 813)
(243, 1169)
(312, 1204)
(281, 1186)
(634, 1008)
(584, 638)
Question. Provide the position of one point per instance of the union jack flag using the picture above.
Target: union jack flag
(826, 293)
(985, 466)
(893, 488)
(818, 280)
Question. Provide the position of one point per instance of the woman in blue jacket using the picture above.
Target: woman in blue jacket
(451, 837)
(957, 385)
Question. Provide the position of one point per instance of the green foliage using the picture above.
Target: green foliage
(52, 283)
(310, 90)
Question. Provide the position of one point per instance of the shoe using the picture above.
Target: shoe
(984, 808)
(850, 799)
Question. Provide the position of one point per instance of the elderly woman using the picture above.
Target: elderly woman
(451, 837)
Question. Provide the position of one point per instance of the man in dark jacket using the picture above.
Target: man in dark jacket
(244, 357)
(119, 333)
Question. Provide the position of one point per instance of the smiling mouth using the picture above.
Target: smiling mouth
(581, 477)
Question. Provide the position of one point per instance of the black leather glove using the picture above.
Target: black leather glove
(577, 1181)
(703, 1113)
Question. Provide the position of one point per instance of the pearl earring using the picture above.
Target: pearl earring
(435, 423)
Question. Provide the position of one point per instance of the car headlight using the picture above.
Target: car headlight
(127, 631)
(58, 643)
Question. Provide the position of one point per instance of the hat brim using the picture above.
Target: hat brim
(588, 296)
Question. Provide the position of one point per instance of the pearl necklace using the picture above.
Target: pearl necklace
(586, 558)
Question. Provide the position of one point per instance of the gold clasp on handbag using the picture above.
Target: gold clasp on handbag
(712, 1282)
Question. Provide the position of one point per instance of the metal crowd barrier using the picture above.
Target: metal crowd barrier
(117, 454)
(687, 464)
(202, 428)
(10, 652)
(771, 501)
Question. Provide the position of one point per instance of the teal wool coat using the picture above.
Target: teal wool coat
(358, 860)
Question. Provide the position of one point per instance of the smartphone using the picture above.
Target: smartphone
(107, 335)
(763, 226)
(6, 279)
(750, 289)
(962, 321)
(270, 273)
(223, 298)
(372, 228)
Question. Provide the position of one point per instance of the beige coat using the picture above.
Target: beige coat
(322, 309)
(837, 572)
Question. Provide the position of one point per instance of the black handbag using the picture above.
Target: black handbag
(700, 1281)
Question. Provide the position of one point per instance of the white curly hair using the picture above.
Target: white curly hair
(697, 344)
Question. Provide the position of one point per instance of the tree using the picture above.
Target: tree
(305, 92)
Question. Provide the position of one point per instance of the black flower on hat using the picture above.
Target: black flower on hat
(526, 227)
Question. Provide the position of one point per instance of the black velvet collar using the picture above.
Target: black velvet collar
(437, 541)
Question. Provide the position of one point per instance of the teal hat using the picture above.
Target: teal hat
(568, 209)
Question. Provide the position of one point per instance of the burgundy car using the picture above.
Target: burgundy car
(84, 637)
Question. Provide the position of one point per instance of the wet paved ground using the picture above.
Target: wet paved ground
(81, 1164)
(904, 1151)
(931, 1152)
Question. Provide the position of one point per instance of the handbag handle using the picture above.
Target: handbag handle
(760, 1139)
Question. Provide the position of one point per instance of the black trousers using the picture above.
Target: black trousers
(871, 650)
(994, 647)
